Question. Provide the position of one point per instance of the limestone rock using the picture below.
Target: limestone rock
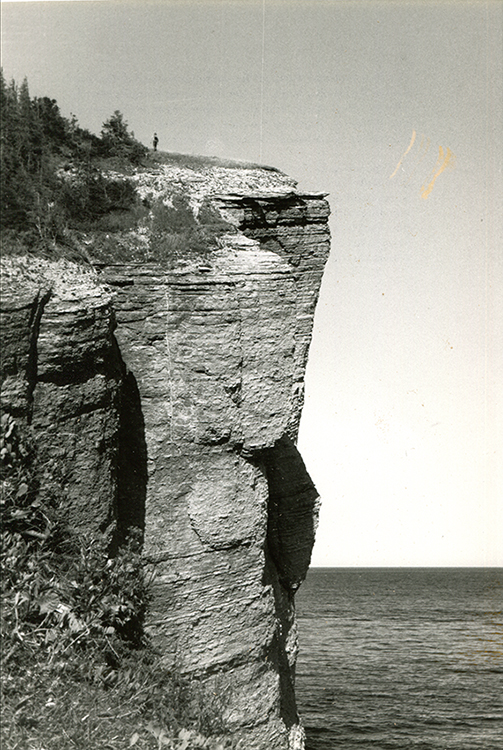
(61, 376)
(219, 355)
(168, 395)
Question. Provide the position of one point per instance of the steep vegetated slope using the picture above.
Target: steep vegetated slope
(161, 386)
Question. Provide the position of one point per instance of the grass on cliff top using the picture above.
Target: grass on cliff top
(192, 161)
(130, 230)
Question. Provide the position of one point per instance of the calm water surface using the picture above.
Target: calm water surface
(401, 658)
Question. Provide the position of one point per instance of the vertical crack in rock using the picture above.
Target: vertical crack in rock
(169, 378)
(22, 306)
(293, 505)
(31, 369)
(132, 473)
(283, 648)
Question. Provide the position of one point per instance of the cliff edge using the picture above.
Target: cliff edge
(164, 387)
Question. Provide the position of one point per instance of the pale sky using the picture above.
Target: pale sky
(395, 109)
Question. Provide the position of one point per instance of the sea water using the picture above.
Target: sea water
(401, 658)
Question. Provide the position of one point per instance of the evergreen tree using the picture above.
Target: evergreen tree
(55, 128)
(36, 141)
(118, 141)
(15, 188)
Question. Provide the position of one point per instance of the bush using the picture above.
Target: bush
(86, 195)
(77, 668)
(37, 198)
(116, 140)
(59, 586)
(176, 232)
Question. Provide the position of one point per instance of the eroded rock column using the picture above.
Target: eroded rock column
(218, 354)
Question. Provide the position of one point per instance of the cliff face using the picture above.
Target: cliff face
(61, 374)
(168, 396)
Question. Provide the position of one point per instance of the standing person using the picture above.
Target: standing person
(155, 141)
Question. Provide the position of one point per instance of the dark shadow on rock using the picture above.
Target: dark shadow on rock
(132, 460)
(277, 651)
(292, 516)
(292, 512)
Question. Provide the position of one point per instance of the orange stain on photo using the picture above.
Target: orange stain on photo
(405, 154)
(444, 161)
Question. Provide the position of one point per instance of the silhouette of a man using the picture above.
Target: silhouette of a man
(155, 141)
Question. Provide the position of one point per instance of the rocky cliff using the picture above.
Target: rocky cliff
(164, 388)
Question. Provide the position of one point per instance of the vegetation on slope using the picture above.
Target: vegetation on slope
(40, 150)
(67, 192)
(78, 670)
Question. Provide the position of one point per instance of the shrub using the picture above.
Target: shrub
(116, 140)
(77, 669)
(87, 194)
(177, 233)
(57, 585)
(42, 204)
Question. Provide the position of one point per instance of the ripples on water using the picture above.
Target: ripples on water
(401, 658)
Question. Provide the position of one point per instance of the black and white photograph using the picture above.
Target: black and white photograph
(251, 323)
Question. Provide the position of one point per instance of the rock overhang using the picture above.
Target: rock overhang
(185, 412)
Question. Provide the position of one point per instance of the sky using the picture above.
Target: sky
(395, 110)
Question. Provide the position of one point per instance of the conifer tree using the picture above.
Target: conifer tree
(118, 141)
(36, 141)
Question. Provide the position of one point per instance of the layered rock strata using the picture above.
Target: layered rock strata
(184, 418)
(61, 374)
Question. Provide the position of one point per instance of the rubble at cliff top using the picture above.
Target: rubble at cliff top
(62, 276)
(202, 182)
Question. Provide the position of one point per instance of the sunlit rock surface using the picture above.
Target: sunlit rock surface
(168, 394)
(61, 374)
